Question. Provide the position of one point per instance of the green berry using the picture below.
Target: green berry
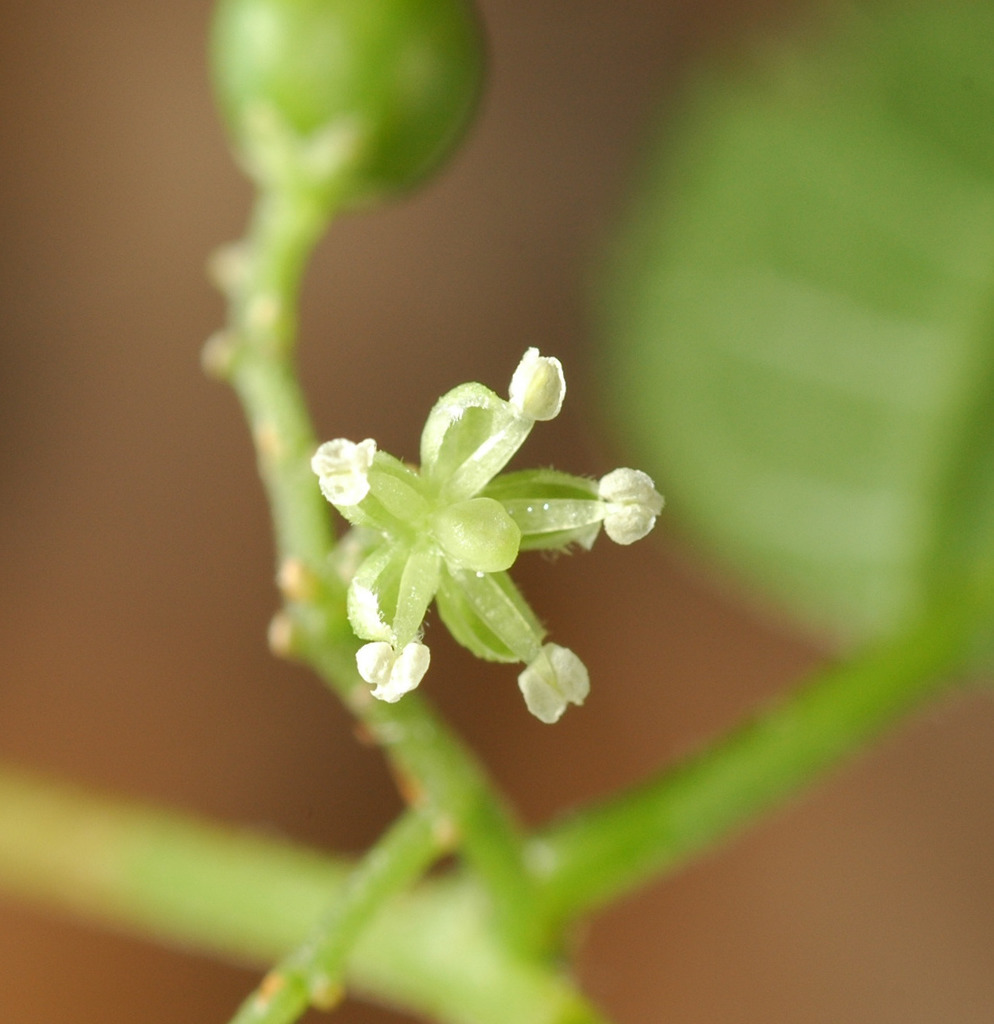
(349, 99)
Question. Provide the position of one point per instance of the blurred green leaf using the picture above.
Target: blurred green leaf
(800, 322)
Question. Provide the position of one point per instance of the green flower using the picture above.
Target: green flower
(450, 531)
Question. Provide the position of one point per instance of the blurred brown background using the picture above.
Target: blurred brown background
(137, 566)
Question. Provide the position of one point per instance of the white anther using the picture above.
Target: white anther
(342, 467)
(391, 672)
(554, 679)
(538, 386)
(633, 504)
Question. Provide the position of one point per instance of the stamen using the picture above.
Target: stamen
(554, 679)
(342, 467)
(393, 674)
(538, 386)
(633, 504)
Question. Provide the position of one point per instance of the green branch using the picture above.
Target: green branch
(249, 899)
(607, 850)
(313, 973)
(244, 897)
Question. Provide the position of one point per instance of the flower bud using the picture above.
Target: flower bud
(346, 98)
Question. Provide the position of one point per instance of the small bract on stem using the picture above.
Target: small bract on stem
(449, 531)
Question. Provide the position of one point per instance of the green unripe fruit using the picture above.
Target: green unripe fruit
(349, 99)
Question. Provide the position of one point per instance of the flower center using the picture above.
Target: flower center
(477, 534)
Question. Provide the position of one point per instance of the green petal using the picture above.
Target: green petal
(486, 613)
(372, 596)
(468, 438)
(395, 503)
(398, 490)
(391, 591)
(552, 509)
(417, 588)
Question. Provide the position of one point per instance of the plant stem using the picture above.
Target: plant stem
(313, 973)
(176, 879)
(249, 898)
(256, 356)
(606, 850)
(257, 359)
